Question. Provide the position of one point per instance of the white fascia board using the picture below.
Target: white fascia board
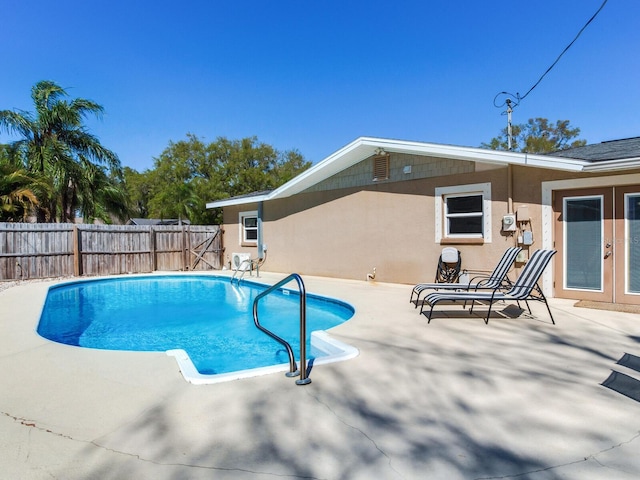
(481, 155)
(344, 158)
(613, 165)
(553, 163)
(237, 201)
(334, 163)
(364, 147)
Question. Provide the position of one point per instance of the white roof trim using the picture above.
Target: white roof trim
(611, 165)
(238, 201)
(365, 147)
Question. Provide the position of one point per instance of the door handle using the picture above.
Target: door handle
(608, 254)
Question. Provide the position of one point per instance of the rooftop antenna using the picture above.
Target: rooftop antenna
(511, 104)
(509, 130)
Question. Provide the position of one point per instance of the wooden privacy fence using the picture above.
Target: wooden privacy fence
(44, 250)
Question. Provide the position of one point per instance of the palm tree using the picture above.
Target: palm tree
(18, 192)
(55, 144)
(105, 198)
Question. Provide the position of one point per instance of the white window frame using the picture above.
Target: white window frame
(441, 193)
(629, 240)
(242, 231)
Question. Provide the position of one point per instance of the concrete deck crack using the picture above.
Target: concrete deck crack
(32, 424)
(592, 456)
(344, 422)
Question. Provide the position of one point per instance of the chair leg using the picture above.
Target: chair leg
(549, 310)
(421, 307)
(430, 313)
(486, 320)
(544, 299)
(418, 299)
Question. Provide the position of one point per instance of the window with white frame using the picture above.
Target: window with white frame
(249, 228)
(463, 211)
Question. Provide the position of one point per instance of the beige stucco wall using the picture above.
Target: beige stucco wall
(344, 231)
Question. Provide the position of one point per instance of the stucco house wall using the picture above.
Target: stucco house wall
(337, 230)
(337, 220)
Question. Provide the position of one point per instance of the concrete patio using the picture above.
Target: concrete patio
(453, 399)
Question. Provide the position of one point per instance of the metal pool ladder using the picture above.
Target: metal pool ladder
(238, 274)
(293, 368)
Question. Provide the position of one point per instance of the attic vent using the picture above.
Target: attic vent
(381, 167)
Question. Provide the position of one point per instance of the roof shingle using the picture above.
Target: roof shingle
(609, 150)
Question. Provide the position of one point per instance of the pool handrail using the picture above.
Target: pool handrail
(293, 368)
(242, 270)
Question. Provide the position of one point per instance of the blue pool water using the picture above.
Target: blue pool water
(208, 317)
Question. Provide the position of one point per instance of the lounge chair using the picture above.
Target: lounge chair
(525, 288)
(497, 278)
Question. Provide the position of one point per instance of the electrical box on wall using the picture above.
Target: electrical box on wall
(509, 223)
(527, 237)
(523, 213)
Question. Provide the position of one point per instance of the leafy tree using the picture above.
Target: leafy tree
(190, 173)
(173, 193)
(55, 144)
(138, 188)
(537, 136)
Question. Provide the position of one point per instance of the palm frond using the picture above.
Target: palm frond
(56, 145)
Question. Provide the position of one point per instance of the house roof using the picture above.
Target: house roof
(365, 147)
(156, 221)
(609, 150)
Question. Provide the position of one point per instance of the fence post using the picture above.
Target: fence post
(183, 246)
(187, 257)
(77, 251)
(152, 248)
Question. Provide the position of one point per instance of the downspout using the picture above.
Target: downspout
(510, 198)
(510, 188)
(260, 238)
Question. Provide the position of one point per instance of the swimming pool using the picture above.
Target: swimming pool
(205, 322)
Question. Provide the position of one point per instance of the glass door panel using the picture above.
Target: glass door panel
(583, 242)
(632, 237)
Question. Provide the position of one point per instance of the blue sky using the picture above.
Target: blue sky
(315, 75)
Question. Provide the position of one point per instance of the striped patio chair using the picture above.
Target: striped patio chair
(525, 288)
(496, 279)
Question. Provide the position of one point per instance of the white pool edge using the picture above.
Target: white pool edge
(336, 351)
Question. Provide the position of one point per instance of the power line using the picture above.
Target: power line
(519, 98)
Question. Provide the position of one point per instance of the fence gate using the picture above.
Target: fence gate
(207, 245)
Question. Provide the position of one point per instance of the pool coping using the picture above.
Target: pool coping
(336, 351)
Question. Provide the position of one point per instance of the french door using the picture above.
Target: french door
(597, 237)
